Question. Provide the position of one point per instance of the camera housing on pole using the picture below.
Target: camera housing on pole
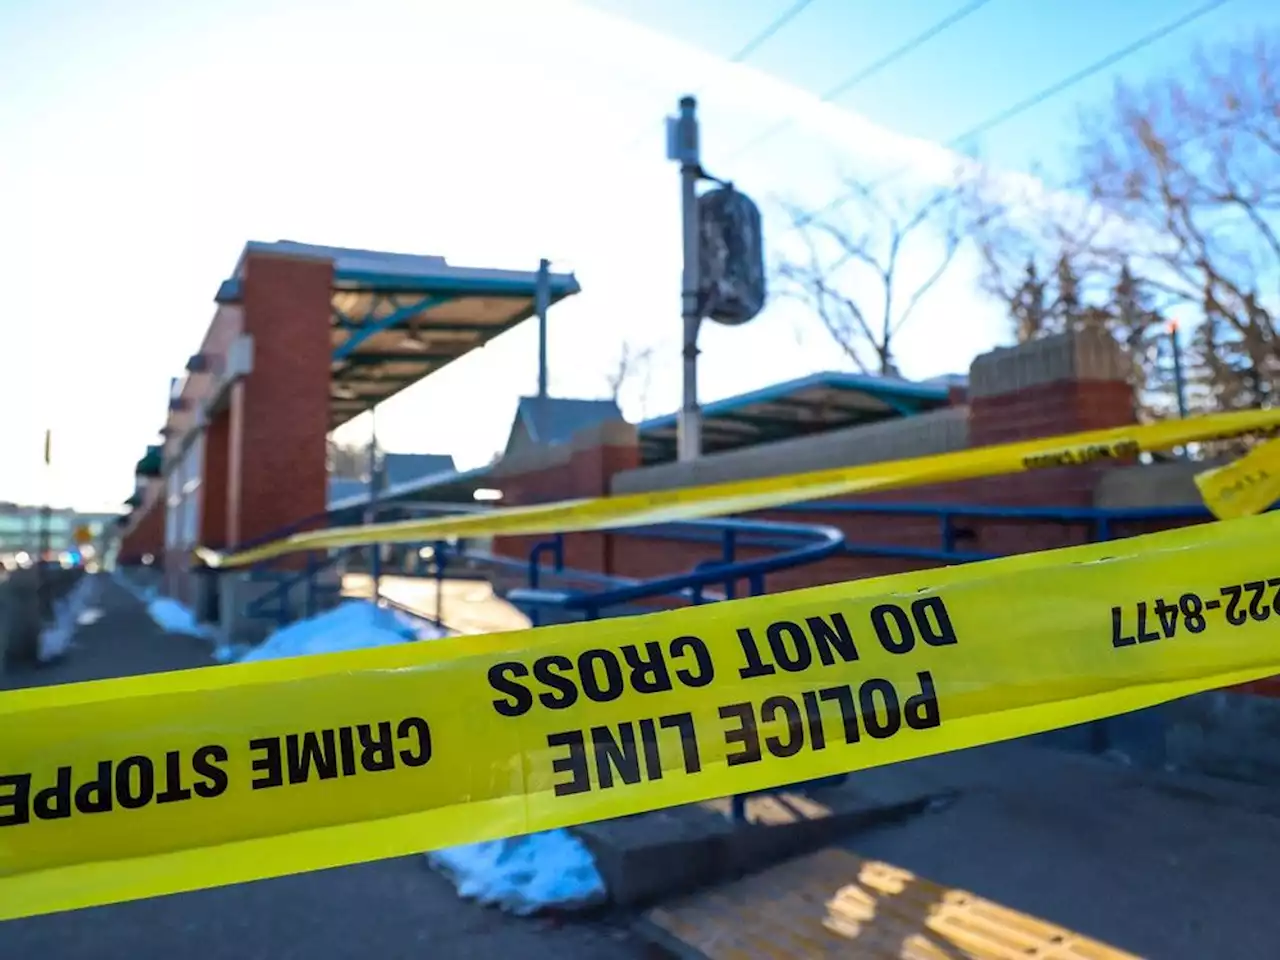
(723, 247)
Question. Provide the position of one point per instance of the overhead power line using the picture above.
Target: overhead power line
(1022, 106)
(869, 71)
(761, 38)
(746, 50)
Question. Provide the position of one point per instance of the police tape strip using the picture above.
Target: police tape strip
(744, 496)
(1245, 487)
(120, 789)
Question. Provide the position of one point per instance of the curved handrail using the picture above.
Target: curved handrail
(799, 544)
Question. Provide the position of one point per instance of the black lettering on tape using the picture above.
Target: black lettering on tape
(376, 751)
(270, 765)
(173, 791)
(872, 712)
(15, 799)
(789, 645)
(649, 744)
(54, 803)
(96, 796)
(602, 675)
(601, 688)
(206, 762)
(844, 701)
(683, 724)
(929, 619)
(347, 750)
(310, 751)
(502, 677)
(418, 734)
(933, 622)
(624, 753)
(649, 672)
(573, 763)
(813, 715)
(704, 667)
(793, 742)
(921, 710)
(550, 672)
(833, 638)
(134, 792)
(893, 628)
(756, 667)
(745, 734)
(620, 753)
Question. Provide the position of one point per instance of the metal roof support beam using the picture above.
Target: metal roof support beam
(371, 327)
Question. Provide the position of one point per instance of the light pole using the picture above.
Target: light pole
(682, 146)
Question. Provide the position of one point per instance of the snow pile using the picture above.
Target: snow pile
(353, 625)
(73, 610)
(524, 874)
(172, 617)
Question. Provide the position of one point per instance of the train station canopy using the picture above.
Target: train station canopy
(397, 318)
(818, 403)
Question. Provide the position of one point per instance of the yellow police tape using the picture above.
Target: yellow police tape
(744, 496)
(1245, 487)
(129, 788)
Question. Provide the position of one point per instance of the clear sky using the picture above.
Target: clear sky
(143, 142)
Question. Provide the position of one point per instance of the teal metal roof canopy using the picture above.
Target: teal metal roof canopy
(397, 318)
(814, 404)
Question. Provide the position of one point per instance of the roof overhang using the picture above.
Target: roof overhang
(398, 318)
(810, 405)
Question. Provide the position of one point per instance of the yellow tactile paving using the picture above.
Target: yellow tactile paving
(835, 904)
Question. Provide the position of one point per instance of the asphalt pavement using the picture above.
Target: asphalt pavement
(379, 911)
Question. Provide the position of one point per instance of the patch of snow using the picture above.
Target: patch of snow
(353, 625)
(524, 875)
(68, 613)
(172, 617)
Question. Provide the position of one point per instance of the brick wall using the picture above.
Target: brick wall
(145, 531)
(280, 414)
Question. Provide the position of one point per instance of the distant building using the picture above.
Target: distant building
(395, 470)
(20, 526)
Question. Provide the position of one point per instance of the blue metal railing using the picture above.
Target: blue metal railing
(795, 545)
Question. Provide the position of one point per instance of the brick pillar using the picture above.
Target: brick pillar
(1062, 384)
(280, 414)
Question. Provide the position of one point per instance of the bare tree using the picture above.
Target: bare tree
(852, 274)
(1173, 216)
(633, 364)
(1193, 166)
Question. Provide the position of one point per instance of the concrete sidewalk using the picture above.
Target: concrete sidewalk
(1043, 853)
(389, 910)
(1169, 866)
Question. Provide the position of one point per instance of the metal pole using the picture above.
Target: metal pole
(684, 147)
(1179, 384)
(375, 549)
(42, 544)
(542, 301)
